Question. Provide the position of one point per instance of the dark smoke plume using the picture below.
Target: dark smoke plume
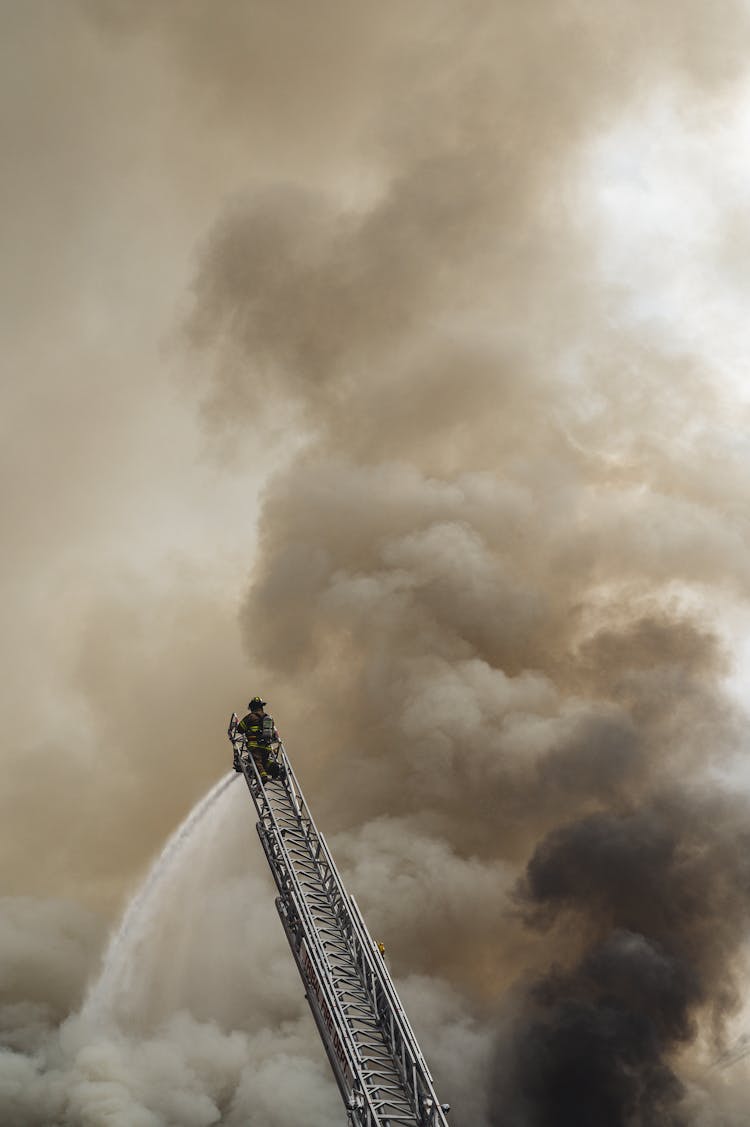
(659, 898)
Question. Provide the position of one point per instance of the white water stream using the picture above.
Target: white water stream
(118, 973)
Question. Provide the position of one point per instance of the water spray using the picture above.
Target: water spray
(118, 971)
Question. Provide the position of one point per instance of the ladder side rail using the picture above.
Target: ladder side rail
(376, 965)
(317, 978)
(395, 1025)
(396, 1028)
(319, 854)
(415, 1077)
(300, 939)
(361, 1111)
(294, 901)
(373, 958)
(353, 1091)
(382, 976)
(413, 1067)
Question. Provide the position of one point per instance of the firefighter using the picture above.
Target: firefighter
(260, 732)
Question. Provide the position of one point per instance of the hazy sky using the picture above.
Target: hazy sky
(388, 360)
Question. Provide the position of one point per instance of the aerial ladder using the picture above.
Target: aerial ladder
(378, 1065)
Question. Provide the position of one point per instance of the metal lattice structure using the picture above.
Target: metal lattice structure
(378, 1065)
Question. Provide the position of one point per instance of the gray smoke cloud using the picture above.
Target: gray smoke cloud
(470, 578)
(500, 538)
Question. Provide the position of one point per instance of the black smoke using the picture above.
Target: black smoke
(658, 901)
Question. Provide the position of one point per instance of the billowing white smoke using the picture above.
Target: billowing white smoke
(176, 1029)
(198, 1016)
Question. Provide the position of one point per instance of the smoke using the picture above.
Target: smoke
(212, 1029)
(488, 582)
(658, 899)
(465, 293)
